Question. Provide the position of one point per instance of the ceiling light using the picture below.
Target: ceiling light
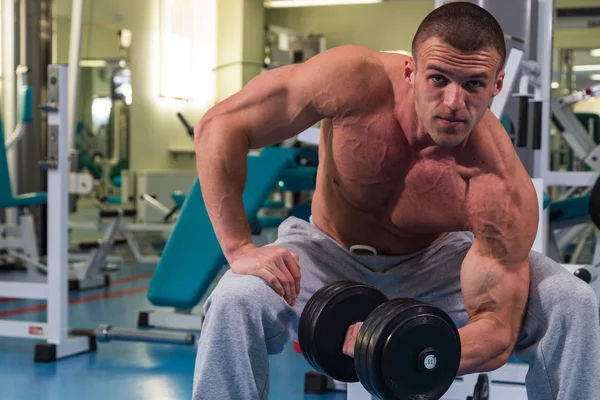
(585, 68)
(595, 77)
(93, 63)
(554, 85)
(595, 52)
(308, 3)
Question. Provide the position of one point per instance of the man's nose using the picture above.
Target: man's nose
(454, 97)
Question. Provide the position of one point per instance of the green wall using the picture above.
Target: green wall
(155, 127)
(391, 26)
(386, 26)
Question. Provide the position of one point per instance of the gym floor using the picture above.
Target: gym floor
(118, 370)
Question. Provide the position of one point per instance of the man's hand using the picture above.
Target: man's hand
(351, 335)
(279, 267)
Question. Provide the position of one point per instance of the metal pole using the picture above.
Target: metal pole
(58, 191)
(544, 58)
(9, 55)
(74, 57)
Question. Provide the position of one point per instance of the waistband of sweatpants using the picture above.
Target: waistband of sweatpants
(382, 262)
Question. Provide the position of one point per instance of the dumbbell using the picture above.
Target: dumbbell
(405, 349)
(482, 388)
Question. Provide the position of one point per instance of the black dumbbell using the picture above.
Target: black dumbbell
(482, 388)
(405, 348)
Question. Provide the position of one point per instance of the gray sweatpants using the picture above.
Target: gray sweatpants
(246, 320)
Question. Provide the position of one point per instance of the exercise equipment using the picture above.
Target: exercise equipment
(54, 338)
(482, 388)
(106, 333)
(404, 349)
(192, 257)
(325, 320)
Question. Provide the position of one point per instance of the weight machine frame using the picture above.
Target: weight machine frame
(55, 290)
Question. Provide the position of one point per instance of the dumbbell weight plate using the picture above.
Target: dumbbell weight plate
(435, 344)
(482, 388)
(395, 364)
(305, 336)
(372, 325)
(325, 320)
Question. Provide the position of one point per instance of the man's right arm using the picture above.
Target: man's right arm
(273, 107)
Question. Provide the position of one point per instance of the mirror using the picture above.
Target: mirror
(103, 131)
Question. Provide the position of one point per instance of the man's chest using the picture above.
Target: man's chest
(413, 194)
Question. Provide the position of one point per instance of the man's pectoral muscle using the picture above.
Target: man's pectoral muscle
(495, 273)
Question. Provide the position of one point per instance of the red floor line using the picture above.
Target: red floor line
(81, 300)
(130, 279)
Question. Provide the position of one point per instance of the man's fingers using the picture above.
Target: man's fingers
(350, 340)
(348, 348)
(291, 261)
(285, 278)
(272, 280)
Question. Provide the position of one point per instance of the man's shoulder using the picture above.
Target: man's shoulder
(352, 75)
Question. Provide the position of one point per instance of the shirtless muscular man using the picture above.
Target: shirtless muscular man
(415, 169)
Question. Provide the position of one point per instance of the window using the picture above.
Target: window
(188, 49)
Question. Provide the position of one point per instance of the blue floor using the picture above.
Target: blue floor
(120, 370)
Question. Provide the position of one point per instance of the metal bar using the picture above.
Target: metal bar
(135, 227)
(58, 234)
(522, 121)
(552, 178)
(9, 98)
(8, 244)
(23, 290)
(511, 70)
(106, 333)
(544, 59)
(74, 57)
(160, 207)
(581, 95)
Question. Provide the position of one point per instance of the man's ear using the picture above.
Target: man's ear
(409, 71)
(499, 83)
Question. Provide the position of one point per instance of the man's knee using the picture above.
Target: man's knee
(250, 304)
(240, 292)
(568, 296)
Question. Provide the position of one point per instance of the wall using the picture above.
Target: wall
(390, 26)
(386, 26)
(155, 127)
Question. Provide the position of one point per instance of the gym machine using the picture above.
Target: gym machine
(189, 266)
(61, 341)
(57, 341)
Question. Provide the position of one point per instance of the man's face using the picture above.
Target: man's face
(452, 89)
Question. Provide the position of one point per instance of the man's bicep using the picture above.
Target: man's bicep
(495, 271)
(503, 216)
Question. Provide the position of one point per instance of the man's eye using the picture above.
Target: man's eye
(438, 79)
(476, 84)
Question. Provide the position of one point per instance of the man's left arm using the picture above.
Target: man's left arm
(503, 216)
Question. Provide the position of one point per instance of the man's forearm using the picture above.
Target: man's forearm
(485, 347)
(221, 164)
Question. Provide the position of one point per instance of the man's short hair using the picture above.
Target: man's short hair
(464, 26)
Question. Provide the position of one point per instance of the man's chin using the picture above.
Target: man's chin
(444, 139)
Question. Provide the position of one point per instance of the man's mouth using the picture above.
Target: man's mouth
(452, 119)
